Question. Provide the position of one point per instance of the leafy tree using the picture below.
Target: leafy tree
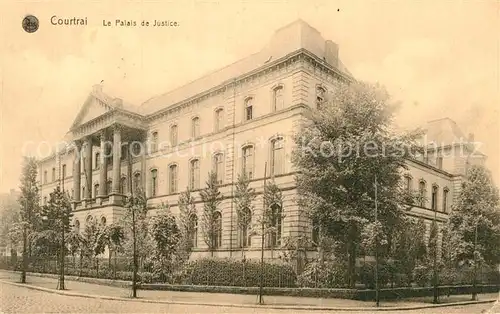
(9, 220)
(166, 236)
(477, 207)
(339, 151)
(115, 237)
(272, 216)
(244, 198)
(75, 244)
(211, 198)
(94, 240)
(187, 216)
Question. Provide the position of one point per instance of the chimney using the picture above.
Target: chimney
(118, 102)
(332, 53)
(97, 88)
(471, 137)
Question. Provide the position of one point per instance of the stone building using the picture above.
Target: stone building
(236, 119)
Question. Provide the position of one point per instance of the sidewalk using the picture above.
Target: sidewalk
(234, 299)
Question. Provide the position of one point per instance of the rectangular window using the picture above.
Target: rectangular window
(219, 167)
(434, 197)
(173, 135)
(154, 183)
(154, 142)
(249, 109)
(439, 162)
(63, 171)
(53, 174)
(445, 200)
(248, 157)
(45, 177)
(278, 98)
(195, 128)
(219, 123)
(194, 175)
(277, 156)
(173, 179)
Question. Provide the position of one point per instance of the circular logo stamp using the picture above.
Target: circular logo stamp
(30, 23)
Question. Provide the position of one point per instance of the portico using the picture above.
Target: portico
(102, 145)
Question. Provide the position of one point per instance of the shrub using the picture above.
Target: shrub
(422, 275)
(331, 274)
(366, 274)
(229, 272)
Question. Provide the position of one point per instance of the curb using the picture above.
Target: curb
(254, 306)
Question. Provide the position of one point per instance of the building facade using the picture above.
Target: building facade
(237, 119)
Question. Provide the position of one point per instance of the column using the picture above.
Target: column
(88, 167)
(103, 164)
(117, 144)
(76, 171)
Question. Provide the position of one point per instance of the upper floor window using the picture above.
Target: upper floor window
(97, 160)
(154, 182)
(194, 234)
(194, 174)
(96, 189)
(248, 161)
(219, 167)
(137, 181)
(439, 162)
(154, 142)
(278, 102)
(320, 96)
(315, 237)
(219, 119)
(173, 179)
(274, 237)
(45, 176)
(77, 226)
(277, 156)
(63, 171)
(195, 127)
(173, 135)
(53, 174)
(248, 108)
(421, 191)
(109, 187)
(445, 199)
(45, 200)
(408, 183)
(123, 185)
(434, 197)
(136, 149)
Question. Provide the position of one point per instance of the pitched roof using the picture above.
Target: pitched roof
(294, 36)
(444, 132)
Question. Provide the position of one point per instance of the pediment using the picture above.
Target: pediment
(92, 108)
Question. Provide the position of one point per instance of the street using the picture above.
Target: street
(15, 299)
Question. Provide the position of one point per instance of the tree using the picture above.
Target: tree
(57, 216)
(187, 223)
(28, 201)
(211, 198)
(272, 216)
(475, 222)
(94, 240)
(244, 198)
(166, 236)
(75, 244)
(115, 237)
(339, 151)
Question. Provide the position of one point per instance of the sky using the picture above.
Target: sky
(439, 58)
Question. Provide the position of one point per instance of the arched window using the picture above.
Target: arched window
(248, 109)
(194, 235)
(172, 169)
(45, 200)
(63, 171)
(217, 235)
(422, 191)
(103, 221)
(445, 200)
(83, 193)
(195, 127)
(154, 142)
(154, 182)
(248, 161)
(53, 174)
(194, 174)
(434, 197)
(88, 220)
(96, 189)
(219, 119)
(72, 194)
(276, 224)
(218, 166)
(320, 96)
(173, 135)
(76, 226)
(109, 186)
(123, 185)
(277, 156)
(244, 230)
(278, 102)
(97, 162)
(136, 149)
(137, 181)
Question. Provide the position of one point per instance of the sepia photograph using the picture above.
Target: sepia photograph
(217, 156)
